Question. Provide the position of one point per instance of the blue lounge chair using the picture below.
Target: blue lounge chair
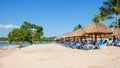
(100, 43)
(117, 42)
(76, 45)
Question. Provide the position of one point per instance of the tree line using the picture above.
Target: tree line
(42, 39)
(48, 38)
(3, 38)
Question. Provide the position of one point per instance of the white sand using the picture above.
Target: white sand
(57, 56)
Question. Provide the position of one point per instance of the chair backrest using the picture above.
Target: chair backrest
(93, 42)
(100, 43)
(105, 42)
(84, 43)
(117, 41)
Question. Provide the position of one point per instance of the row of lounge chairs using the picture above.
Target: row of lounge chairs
(110, 42)
(88, 46)
(76, 45)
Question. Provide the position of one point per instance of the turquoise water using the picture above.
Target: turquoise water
(2, 43)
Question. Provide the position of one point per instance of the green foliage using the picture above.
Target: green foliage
(3, 38)
(77, 27)
(27, 32)
(113, 24)
(113, 7)
(102, 16)
(110, 26)
(96, 18)
(15, 35)
(48, 38)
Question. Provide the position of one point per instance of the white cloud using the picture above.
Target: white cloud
(8, 26)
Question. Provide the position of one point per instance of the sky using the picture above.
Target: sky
(56, 16)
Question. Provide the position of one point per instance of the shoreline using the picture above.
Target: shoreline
(6, 43)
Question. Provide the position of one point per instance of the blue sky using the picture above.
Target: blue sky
(56, 16)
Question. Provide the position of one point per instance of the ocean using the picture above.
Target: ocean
(5, 43)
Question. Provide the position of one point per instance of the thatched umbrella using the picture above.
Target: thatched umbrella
(64, 36)
(55, 39)
(116, 31)
(97, 29)
(59, 37)
(69, 35)
(78, 33)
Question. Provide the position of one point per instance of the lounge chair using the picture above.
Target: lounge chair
(117, 42)
(100, 43)
(75, 45)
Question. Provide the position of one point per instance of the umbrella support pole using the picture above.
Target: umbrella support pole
(96, 39)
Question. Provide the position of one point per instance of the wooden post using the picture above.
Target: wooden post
(81, 39)
(114, 38)
(96, 39)
(73, 39)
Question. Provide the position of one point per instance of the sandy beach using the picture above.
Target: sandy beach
(57, 56)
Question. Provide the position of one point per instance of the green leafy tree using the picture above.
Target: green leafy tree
(27, 32)
(113, 7)
(15, 35)
(77, 27)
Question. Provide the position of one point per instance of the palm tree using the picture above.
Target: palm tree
(113, 7)
(96, 19)
(113, 24)
(77, 27)
(102, 16)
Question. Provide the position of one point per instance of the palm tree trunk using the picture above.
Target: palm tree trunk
(117, 21)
